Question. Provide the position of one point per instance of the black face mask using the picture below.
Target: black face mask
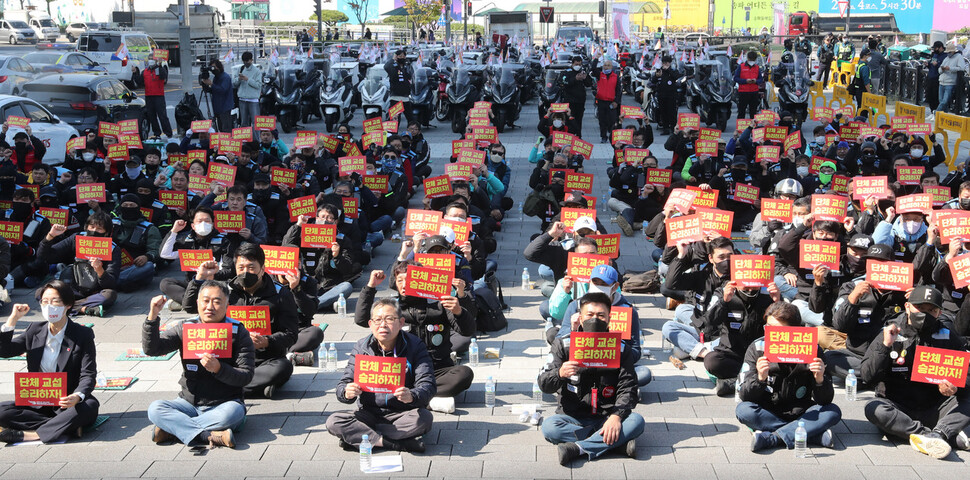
(855, 265)
(151, 168)
(594, 325)
(746, 295)
(869, 158)
(261, 195)
(130, 213)
(965, 203)
(738, 174)
(145, 199)
(48, 202)
(723, 267)
(785, 123)
(886, 203)
(91, 233)
(923, 324)
(8, 184)
(20, 211)
(248, 279)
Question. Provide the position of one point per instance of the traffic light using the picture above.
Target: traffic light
(317, 7)
(468, 9)
(602, 8)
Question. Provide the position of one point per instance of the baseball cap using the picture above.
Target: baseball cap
(604, 273)
(261, 178)
(861, 240)
(923, 295)
(575, 200)
(843, 144)
(584, 222)
(879, 251)
(434, 241)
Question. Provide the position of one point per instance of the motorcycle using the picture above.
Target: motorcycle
(502, 89)
(793, 88)
(711, 91)
(336, 98)
(550, 86)
(423, 95)
(315, 71)
(375, 92)
(464, 90)
(529, 85)
(282, 95)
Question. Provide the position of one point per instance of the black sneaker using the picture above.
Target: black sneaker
(631, 448)
(567, 452)
(724, 387)
(347, 446)
(764, 440)
(412, 445)
(9, 435)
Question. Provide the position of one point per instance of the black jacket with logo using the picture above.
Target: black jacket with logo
(789, 390)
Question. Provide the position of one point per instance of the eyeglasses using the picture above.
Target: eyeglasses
(383, 321)
(57, 302)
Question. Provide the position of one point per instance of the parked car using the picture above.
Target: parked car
(50, 62)
(101, 46)
(75, 30)
(14, 73)
(44, 125)
(82, 99)
(16, 31)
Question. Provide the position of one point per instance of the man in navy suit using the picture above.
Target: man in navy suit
(55, 344)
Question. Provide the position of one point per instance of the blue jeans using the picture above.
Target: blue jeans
(561, 428)
(382, 223)
(329, 298)
(946, 94)
(817, 418)
(787, 291)
(186, 421)
(134, 277)
(375, 239)
(684, 336)
(247, 112)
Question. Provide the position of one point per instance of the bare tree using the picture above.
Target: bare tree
(360, 7)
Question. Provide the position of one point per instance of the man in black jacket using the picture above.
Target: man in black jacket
(252, 286)
(399, 74)
(596, 405)
(390, 420)
(933, 416)
(664, 82)
(776, 396)
(210, 404)
(575, 82)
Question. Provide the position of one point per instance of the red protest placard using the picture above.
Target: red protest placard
(715, 222)
(742, 123)
(372, 124)
(579, 181)
(13, 232)
(746, 193)
(379, 374)
(462, 229)
(478, 118)
(87, 248)
(917, 202)
(952, 224)
(458, 145)
(909, 175)
(282, 176)
(438, 261)
(758, 135)
(683, 228)
(706, 147)
(230, 145)
(307, 139)
(771, 153)
(436, 187)
(57, 216)
(659, 176)
(793, 140)
(919, 129)
(422, 221)
(622, 136)
(941, 195)
(580, 265)
(608, 245)
(395, 110)
(896, 276)
(329, 143)
(595, 349)
(704, 198)
(767, 117)
(198, 184)
(350, 165)
(829, 207)
(621, 321)
(390, 126)
(752, 270)
(568, 216)
(819, 252)
(174, 199)
(776, 209)
(91, 191)
(816, 164)
(688, 121)
(350, 206)
(681, 199)
(229, 222)
(822, 113)
(222, 174)
(472, 156)
(429, 283)
(558, 107)
(306, 205)
(631, 112)
(318, 236)
(189, 260)
(901, 122)
(377, 183)
(201, 338)
(635, 156)
(108, 129)
(960, 270)
(131, 139)
(254, 317)
(791, 344)
(581, 147)
(776, 133)
(76, 143)
(36, 389)
(265, 122)
(709, 134)
(936, 365)
(242, 133)
(865, 187)
(200, 125)
(460, 170)
(840, 184)
(280, 260)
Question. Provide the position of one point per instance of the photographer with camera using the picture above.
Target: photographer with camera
(219, 85)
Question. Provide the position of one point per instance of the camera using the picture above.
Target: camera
(204, 74)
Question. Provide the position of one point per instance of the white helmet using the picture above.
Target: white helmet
(789, 186)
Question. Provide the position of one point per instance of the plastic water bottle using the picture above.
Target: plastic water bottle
(473, 353)
(536, 393)
(101, 380)
(851, 386)
(521, 213)
(605, 200)
(526, 284)
(490, 392)
(801, 441)
(737, 383)
(365, 453)
(332, 358)
(342, 306)
(322, 363)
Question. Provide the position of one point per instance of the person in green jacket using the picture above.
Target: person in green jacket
(863, 77)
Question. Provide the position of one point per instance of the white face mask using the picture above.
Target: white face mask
(454, 219)
(911, 228)
(52, 313)
(577, 67)
(802, 171)
(750, 63)
(87, 156)
(557, 123)
(819, 140)
(203, 228)
(370, 172)
(608, 291)
(916, 152)
(797, 221)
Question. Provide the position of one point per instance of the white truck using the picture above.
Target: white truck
(511, 24)
(40, 22)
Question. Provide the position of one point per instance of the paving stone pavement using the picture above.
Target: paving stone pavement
(690, 433)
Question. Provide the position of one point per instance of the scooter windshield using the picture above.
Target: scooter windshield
(375, 80)
(799, 74)
(551, 81)
(461, 81)
(505, 81)
(721, 79)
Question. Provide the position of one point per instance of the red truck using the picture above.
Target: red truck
(814, 24)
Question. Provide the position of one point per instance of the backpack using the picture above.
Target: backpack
(535, 202)
(491, 315)
(186, 111)
(641, 282)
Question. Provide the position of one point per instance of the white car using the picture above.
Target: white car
(44, 125)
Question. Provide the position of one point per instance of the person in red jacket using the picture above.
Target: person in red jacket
(27, 150)
(155, 75)
(749, 79)
(608, 92)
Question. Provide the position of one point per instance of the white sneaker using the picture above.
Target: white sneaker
(828, 440)
(442, 404)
